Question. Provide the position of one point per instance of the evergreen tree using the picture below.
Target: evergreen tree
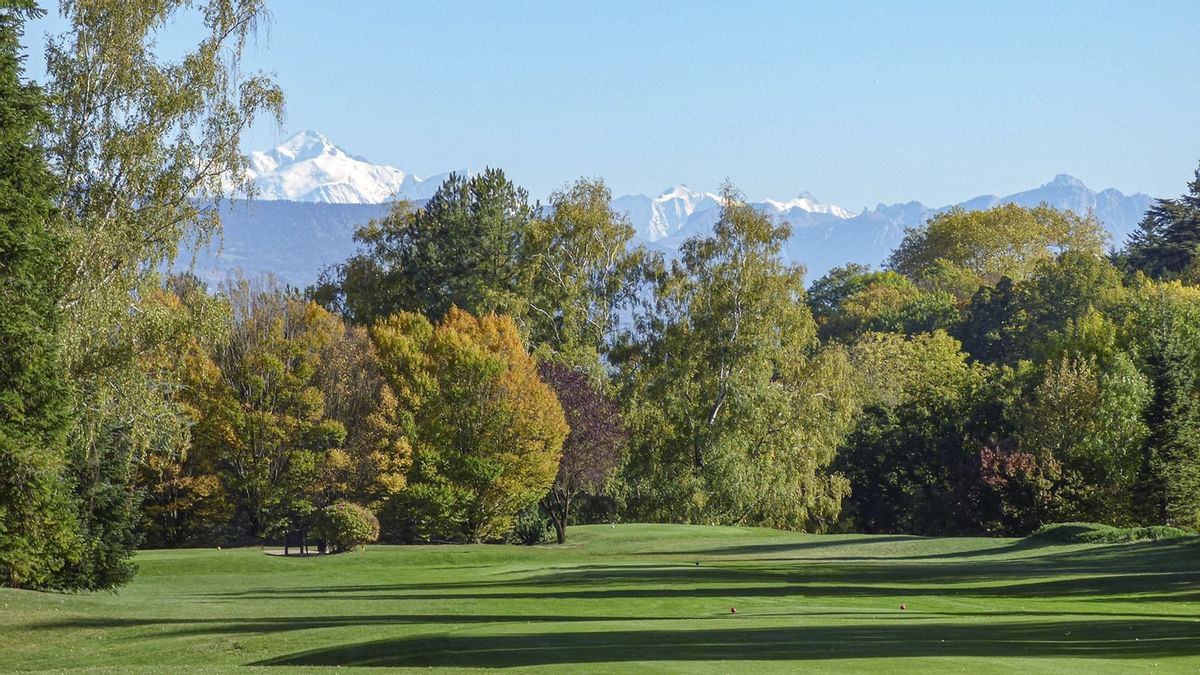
(464, 248)
(1168, 239)
(37, 523)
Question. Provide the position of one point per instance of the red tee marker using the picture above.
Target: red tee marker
(733, 610)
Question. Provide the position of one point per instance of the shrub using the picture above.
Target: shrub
(345, 526)
(531, 526)
(1096, 533)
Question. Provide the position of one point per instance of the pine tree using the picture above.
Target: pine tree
(1168, 239)
(37, 523)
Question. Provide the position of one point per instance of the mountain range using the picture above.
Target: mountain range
(310, 195)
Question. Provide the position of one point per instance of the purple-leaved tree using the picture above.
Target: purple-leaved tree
(594, 447)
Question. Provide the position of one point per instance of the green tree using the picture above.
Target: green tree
(1168, 238)
(1163, 326)
(463, 248)
(1014, 320)
(728, 416)
(914, 443)
(960, 250)
(580, 269)
(854, 300)
(486, 432)
(38, 527)
(144, 148)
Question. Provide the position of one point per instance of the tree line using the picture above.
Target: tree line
(488, 367)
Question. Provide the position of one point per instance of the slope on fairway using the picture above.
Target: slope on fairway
(636, 598)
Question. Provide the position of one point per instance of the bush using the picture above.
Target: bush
(531, 527)
(345, 526)
(1095, 533)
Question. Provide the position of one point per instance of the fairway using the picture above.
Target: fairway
(633, 598)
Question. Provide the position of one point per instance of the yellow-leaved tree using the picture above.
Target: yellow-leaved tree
(486, 433)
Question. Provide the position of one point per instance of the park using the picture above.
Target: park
(637, 598)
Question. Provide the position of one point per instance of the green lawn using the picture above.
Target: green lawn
(632, 598)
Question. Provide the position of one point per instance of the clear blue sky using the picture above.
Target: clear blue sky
(856, 102)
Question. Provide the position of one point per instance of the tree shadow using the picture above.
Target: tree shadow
(1091, 639)
(751, 550)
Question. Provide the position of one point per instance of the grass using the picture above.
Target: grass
(633, 599)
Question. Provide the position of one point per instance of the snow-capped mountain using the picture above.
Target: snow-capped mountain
(309, 168)
(312, 194)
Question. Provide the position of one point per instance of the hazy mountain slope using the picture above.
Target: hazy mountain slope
(313, 194)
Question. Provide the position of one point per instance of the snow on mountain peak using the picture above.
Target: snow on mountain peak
(308, 167)
(808, 203)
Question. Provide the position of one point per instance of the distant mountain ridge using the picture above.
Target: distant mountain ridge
(311, 195)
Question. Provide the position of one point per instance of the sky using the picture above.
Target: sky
(858, 103)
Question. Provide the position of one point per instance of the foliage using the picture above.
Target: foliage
(1163, 326)
(345, 526)
(1015, 320)
(143, 148)
(717, 381)
(463, 248)
(908, 457)
(531, 526)
(1168, 238)
(264, 421)
(38, 529)
(485, 431)
(960, 250)
(580, 266)
(852, 300)
(1096, 533)
(593, 449)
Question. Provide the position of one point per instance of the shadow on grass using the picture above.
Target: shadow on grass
(750, 550)
(1152, 571)
(1102, 639)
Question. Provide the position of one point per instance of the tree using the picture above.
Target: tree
(593, 449)
(960, 250)
(266, 421)
(1167, 241)
(718, 383)
(38, 532)
(854, 300)
(914, 443)
(143, 148)
(463, 248)
(373, 462)
(1086, 421)
(485, 431)
(1163, 325)
(580, 269)
(1014, 320)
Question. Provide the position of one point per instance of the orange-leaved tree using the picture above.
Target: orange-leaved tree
(485, 431)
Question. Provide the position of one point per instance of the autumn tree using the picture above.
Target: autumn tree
(593, 449)
(486, 433)
(372, 463)
(266, 421)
